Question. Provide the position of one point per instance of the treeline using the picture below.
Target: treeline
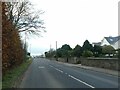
(13, 52)
(87, 50)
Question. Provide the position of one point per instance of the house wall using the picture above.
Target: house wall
(104, 42)
(116, 45)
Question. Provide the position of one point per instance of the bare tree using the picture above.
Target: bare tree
(24, 17)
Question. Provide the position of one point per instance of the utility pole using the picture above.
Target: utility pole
(50, 47)
(56, 50)
(30, 48)
(50, 51)
(25, 47)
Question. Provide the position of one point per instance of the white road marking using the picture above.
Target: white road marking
(50, 65)
(81, 81)
(41, 67)
(59, 70)
(56, 68)
(73, 77)
(66, 73)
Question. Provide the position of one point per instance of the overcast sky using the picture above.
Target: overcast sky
(73, 21)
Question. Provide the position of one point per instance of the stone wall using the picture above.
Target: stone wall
(108, 63)
(102, 63)
(68, 60)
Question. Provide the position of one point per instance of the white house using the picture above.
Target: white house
(113, 41)
(104, 42)
(116, 45)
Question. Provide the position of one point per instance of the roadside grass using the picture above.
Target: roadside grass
(12, 76)
(0, 85)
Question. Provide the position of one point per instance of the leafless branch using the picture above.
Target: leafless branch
(23, 18)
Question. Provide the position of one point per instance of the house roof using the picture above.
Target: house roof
(112, 40)
(98, 43)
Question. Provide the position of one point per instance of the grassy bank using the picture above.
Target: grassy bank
(13, 75)
(0, 85)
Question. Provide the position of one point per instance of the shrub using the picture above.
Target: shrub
(87, 54)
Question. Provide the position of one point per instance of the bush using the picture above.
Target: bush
(119, 53)
(107, 49)
(87, 54)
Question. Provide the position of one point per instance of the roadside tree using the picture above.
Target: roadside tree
(77, 52)
(87, 53)
(24, 17)
(97, 50)
(108, 49)
(12, 48)
(87, 46)
(119, 53)
(66, 50)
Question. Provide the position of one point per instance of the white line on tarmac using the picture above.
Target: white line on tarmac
(56, 68)
(73, 77)
(81, 81)
(66, 73)
(50, 65)
(59, 70)
(41, 67)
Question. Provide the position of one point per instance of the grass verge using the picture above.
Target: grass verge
(12, 76)
(0, 85)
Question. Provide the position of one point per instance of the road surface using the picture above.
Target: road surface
(44, 73)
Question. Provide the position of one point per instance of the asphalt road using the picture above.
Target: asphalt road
(44, 73)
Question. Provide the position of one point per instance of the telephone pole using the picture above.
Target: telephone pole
(30, 48)
(25, 46)
(56, 50)
(50, 47)
(50, 51)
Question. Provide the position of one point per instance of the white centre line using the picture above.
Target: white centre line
(81, 81)
(66, 73)
(56, 68)
(59, 70)
(73, 77)
(41, 67)
(50, 65)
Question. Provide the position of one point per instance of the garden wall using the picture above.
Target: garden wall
(108, 63)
